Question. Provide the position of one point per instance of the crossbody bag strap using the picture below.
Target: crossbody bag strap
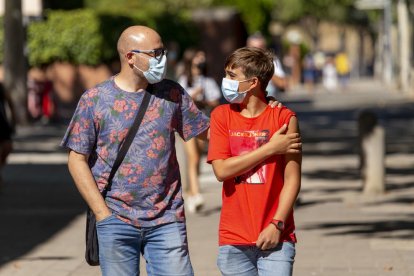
(128, 140)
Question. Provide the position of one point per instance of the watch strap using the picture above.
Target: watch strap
(279, 224)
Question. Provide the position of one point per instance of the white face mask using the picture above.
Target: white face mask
(230, 90)
(156, 71)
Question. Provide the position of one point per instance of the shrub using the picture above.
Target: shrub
(72, 36)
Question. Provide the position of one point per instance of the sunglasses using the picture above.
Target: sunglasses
(156, 53)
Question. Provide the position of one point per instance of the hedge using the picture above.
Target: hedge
(88, 37)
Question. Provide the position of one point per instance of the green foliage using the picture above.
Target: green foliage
(153, 7)
(90, 37)
(289, 11)
(65, 36)
(256, 14)
(111, 27)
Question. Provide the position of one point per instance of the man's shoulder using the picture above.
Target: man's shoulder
(168, 90)
(100, 87)
(168, 84)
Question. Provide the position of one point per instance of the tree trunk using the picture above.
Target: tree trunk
(404, 39)
(15, 69)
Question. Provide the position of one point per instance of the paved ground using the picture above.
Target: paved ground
(340, 230)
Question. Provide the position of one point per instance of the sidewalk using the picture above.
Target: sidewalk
(340, 231)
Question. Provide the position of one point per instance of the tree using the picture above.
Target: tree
(309, 13)
(15, 71)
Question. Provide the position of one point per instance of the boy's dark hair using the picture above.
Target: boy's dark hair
(253, 62)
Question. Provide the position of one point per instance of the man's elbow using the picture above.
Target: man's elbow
(74, 159)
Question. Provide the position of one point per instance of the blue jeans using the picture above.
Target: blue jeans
(164, 248)
(251, 261)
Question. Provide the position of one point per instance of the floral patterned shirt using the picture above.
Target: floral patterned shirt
(146, 189)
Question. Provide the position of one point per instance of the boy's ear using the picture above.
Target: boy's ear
(256, 82)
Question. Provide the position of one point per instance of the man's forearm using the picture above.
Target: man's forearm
(84, 181)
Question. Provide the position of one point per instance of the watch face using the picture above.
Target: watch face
(280, 224)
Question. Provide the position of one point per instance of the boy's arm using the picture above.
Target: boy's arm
(270, 236)
(236, 165)
(84, 181)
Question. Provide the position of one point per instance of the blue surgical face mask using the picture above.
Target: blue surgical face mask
(156, 71)
(230, 89)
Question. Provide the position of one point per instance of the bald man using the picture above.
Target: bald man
(143, 212)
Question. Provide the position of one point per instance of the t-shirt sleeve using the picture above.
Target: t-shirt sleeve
(81, 135)
(191, 121)
(284, 116)
(219, 145)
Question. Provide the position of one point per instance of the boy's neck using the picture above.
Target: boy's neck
(254, 106)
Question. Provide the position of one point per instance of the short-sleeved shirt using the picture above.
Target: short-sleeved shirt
(146, 189)
(249, 200)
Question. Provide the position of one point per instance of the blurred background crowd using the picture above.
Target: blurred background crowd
(54, 50)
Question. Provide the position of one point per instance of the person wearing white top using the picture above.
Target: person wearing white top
(278, 81)
(206, 95)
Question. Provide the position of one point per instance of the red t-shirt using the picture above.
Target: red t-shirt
(249, 200)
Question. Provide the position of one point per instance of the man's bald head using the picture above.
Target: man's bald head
(138, 37)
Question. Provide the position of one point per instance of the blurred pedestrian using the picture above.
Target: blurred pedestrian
(329, 75)
(172, 60)
(256, 152)
(143, 212)
(206, 95)
(40, 102)
(7, 127)
(343, 68)
(319, 61)
(309, 72)
(278, 81)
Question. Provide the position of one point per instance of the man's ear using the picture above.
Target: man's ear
(128, 56)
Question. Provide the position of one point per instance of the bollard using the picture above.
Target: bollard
(372, 153)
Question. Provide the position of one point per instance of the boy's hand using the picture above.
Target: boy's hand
(281, 143)
(268, 238)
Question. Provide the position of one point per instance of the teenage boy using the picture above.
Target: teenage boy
(256, 151)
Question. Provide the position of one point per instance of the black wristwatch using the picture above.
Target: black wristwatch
(279, 224)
